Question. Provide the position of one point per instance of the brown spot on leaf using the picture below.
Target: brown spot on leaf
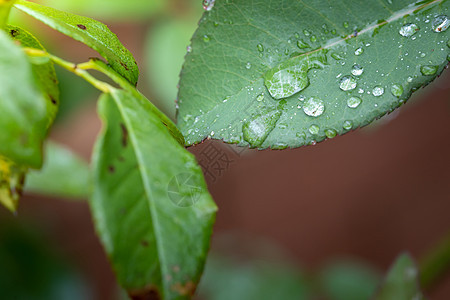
(144, 243)
(124, 135)
(148, 293)
(124, 65)
(81, 26)
(52, 99)
(14, 32)
(187, 289)
(111, 169)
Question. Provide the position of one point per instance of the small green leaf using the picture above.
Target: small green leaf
(11, 182)
(401, 281)
(316, 56)
(150, 202)
(88, 31)
(24, 118)
(43, 70)
(63, 174)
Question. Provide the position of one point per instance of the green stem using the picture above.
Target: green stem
(435, 264)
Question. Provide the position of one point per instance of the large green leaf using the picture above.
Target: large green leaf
(401, 281)
(63, 174)
(150, 202)
(24, 118)
(5, 8)
(43, 70)
(290, 73)
(88, 31)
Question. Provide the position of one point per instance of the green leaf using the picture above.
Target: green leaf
(24, 118)
(290, 73)
(348, 280)
(43, 70)
(88, 31)
(63, 174)
(150, 202)
(5, 8)
(11, 182)
(401, 281)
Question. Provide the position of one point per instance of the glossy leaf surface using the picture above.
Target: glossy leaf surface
(88, 31)
(290, 73)
(150, 203)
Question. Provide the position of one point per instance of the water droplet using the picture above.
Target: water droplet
(208, 4)
(378, 91)
(314, 129)
(206, 38)
(397, 90)
(353, 102)
(300, 135)
(248, 66)
(408, 30)
(189, 49)
(345, 24)
(256, 130)
(260, 97)
(330, 133)
(359, 51)
(428, 70)
(357, 70)
(282, 125)
(216, 24)
(440, 23)
(291, 76)
(347, 125)
(313, 38)
(260, 47)
(347, 83)
(313, 107)
(306, 32)
(302, 98)
(409, 79)
(336, 56)
(302, 44)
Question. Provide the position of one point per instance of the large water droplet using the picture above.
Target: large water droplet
(314, 129)
(291, 76)
(397, 90)
(378, 91)
(302, 44)
(256, 130)
(260, 47)
(440, 23)
(359, 51)
(347, 125)
(313, 107)
(353, 102)
(208, 4)
(330, 133)
(428, 70)
(357, 70)
(408, 30)
(347, 83)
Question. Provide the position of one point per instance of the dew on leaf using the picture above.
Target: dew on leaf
(313, 38)
(347, 125)
(302, 98)
(189, 49)
(347, 83)
(260, 97)
(306, 32)
(256, 130)
(291, 76)
(359, 51)
(345, 24)
(336, 56)
(300, 135)
(357, 70)
(408, 30)
(440, 23)
(314, 107)
(206, 38)
(353, 102)
(330, 133)
(302, 44)
(314, 129)
(248, 66)
(260, 47)
(428, 70)
(378, 91)
(397, 90)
